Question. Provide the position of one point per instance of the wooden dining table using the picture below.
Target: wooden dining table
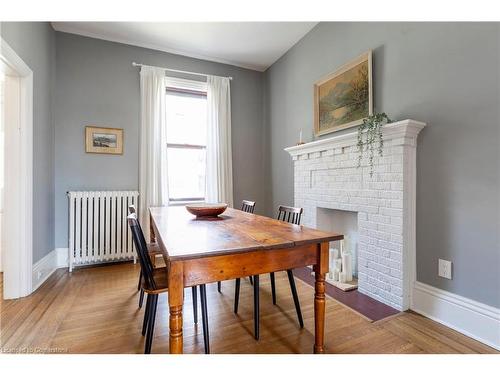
(234, 245)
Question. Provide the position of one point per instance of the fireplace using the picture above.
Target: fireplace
(378, 210)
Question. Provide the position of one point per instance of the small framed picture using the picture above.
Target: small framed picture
(103, 140)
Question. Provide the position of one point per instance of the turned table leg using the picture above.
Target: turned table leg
(175, 302)
(319, 298)
(319, 313)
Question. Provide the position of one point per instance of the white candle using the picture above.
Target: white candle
(338, 264)
(300, 136)
(331, 261)
(335, 253)
(342, 277)
(347, 265)
(335, 275)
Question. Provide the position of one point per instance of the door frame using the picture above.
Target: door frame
(18, 255)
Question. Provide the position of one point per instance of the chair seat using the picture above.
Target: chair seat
(160, 275)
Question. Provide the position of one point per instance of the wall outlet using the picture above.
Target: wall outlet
(444, 268)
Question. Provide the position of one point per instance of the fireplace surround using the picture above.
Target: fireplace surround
(326, 176)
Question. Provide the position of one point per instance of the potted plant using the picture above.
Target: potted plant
(369, 134)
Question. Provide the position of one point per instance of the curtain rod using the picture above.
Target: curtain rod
(178, 71)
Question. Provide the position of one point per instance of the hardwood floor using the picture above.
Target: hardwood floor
(94, 310)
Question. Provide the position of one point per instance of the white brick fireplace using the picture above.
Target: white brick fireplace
(326, 176)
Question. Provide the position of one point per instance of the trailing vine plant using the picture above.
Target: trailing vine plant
(369, 133)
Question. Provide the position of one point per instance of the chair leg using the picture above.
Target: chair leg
(273, 287)
(295, 297)
(151, 323)
(146, 315)
(195, 304)
(236, 295)
(219, 285)
(141, 298)
(204, 317)
(256, 306)
(140, 281)
(251, 280)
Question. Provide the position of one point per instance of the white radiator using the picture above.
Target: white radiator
(98, 229)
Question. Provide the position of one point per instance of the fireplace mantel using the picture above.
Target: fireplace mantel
(327, 175)
(405, 131)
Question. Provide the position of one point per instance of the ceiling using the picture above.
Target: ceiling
(252, 45)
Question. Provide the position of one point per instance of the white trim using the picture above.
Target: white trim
(404, 131)
(474, 319)
(19, 252)
(57, 258)
(43, 269)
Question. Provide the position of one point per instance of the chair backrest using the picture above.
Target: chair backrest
(142, 251)
(247, 206)
(290, 214)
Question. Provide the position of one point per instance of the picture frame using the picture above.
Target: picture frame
(99, 140)
(344, 98)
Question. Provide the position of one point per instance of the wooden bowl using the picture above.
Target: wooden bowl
(206, 209)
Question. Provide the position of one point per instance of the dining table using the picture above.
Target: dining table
(235, 244)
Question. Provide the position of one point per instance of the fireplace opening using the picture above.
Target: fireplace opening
(343, 267)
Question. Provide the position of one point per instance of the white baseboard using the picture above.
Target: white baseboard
(57, 258)
(474, 319)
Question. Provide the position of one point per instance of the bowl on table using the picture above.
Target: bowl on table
(206, 209)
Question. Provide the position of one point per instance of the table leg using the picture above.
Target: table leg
(175, 302)
(319, 298)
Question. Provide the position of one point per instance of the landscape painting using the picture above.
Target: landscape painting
(344, 98)
(103, 140)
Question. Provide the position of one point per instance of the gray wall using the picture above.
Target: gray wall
(97, 85)
(34, 42)
(446, 75)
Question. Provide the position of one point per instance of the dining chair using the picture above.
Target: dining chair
(153, 251)
(155, 282)
(291, 215)
(249, 207)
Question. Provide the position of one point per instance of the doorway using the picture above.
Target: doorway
(16, 248)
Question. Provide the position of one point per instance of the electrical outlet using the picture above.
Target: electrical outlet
(444, 268)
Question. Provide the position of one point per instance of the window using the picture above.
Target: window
(186, 139)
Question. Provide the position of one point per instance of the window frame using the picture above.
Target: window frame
(193, 92)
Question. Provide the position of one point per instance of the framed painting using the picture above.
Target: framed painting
(103, 140)
(344, 98)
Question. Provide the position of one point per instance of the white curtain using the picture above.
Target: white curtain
(219, 180)
(153, 185)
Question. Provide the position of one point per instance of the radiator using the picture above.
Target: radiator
(98, 229)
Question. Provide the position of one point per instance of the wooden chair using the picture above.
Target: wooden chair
(246, 206)
(153, 251)
(155, 282)
(291, 215)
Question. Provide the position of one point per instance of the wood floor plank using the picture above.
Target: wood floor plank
(95, 310)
